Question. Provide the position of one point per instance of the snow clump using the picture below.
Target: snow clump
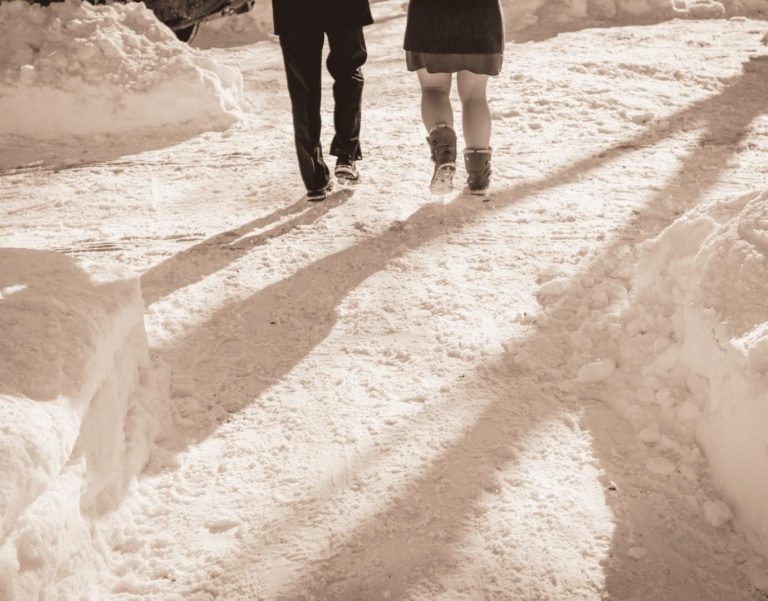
(73, 68)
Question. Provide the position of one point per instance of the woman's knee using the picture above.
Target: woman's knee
(435, 83)
(435, 91)
(472, 87)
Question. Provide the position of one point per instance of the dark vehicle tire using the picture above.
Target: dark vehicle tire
(187, 34)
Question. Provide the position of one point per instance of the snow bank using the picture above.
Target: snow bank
(710, 269)
(78, 412)
(555, 14)
(76, 69)
(688, 334)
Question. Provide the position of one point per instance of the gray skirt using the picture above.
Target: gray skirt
(482, 64)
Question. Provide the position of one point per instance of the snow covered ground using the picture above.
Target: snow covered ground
(556, 394)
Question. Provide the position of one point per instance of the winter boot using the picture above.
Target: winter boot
(320, 193)
(346, 170)
(478, 164)
(442, 142)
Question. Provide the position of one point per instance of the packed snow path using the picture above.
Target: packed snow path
(372, 401)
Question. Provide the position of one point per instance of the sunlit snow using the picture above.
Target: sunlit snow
(211, 389)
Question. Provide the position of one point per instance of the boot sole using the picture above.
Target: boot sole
(442, 180)
(344, 176)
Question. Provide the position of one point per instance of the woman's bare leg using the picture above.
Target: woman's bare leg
(435, 99)
(476, 115)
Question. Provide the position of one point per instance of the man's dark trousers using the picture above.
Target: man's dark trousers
(303, 56)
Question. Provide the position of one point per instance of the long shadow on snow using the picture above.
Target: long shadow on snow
(659, 517)
(312, 294)
(215, 253)
(267, 332)
(20, 156)
(315, 291)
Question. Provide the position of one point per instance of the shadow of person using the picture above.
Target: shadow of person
(21, 155)
(662, 547)
(723, 120)
(248, 345)
(215, 253)
(275, 328)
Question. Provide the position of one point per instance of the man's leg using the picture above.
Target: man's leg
(347, 55)
(303, 56)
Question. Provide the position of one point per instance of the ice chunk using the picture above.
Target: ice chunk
(597, 371)
(661, 466)
(717, 513)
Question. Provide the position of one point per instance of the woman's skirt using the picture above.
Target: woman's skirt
(482, 64)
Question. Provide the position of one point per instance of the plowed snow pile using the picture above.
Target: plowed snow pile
(76, 69)
(78, 415)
